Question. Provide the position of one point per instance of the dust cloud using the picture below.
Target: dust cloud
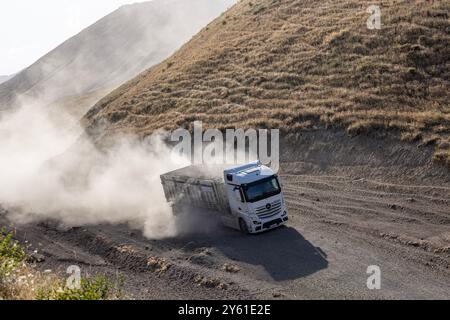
(48, 171)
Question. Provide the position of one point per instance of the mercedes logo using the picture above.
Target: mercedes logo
(268, 206)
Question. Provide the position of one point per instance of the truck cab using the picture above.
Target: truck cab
(255, 197)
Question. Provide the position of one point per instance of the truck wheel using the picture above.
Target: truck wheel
(243, 226)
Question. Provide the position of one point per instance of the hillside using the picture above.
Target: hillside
(301, 65)
(109, 52)
(4, 78)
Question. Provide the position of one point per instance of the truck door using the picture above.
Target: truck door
(237, 203)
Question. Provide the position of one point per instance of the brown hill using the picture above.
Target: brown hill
(300, 65)
(113, 50)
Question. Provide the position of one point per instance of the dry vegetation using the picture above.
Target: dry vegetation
(21, 280)
(301, 65)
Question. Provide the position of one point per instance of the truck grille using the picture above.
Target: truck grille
(269, 211)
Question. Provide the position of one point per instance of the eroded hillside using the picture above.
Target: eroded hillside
(299, 65)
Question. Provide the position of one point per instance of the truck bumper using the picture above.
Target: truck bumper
(269, 225)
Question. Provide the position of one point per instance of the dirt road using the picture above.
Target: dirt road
(339, 226)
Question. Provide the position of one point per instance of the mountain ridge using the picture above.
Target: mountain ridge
(5, 78)
(110, 51)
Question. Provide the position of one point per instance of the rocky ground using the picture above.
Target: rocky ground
(339, 227)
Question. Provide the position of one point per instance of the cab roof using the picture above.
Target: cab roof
(248, 173)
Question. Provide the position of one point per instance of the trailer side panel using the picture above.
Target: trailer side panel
(205, 193)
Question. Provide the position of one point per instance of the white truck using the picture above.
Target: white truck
(247, 198)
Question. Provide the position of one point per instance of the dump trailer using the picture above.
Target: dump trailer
(247, 197)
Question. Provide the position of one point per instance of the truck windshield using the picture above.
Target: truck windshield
(262, 189)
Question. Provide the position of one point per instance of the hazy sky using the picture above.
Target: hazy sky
(31, 28)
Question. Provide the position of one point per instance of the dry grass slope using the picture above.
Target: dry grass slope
(300, 65)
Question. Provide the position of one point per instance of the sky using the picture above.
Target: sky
(31, 28)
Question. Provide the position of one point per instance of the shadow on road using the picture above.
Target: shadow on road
(284, 253)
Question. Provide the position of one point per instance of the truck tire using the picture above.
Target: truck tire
(243, 226)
